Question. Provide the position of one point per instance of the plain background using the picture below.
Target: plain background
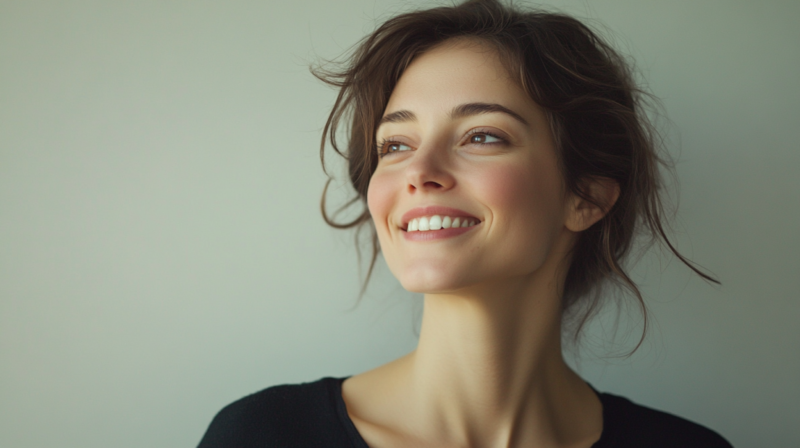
(162, 252)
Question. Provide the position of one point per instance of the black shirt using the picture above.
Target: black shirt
(314, 415)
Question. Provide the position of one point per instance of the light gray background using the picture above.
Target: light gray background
(162, 252)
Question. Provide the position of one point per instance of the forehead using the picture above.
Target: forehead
(458, 72)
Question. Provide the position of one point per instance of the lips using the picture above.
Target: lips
(426, 213)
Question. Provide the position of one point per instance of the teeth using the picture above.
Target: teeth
(424, 224)
(437, 222)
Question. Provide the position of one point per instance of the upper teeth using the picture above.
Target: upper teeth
(436, 222)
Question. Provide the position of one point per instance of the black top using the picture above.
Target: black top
(314, 415)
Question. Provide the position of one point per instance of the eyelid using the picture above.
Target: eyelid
(396, 140)
(496, 133)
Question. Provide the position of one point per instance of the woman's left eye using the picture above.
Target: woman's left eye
(484, 138)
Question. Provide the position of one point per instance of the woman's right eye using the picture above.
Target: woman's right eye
(390, 147)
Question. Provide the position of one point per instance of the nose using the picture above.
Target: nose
(429, 170)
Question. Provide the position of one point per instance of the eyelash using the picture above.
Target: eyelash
(475, 132)
(384, 142)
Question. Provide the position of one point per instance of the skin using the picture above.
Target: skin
(488, 370)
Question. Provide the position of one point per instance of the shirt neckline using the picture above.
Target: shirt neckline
(335, 388)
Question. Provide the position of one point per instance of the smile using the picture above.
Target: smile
(437, 222)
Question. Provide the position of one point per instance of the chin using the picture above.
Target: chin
(427, 280)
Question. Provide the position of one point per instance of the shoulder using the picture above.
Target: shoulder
(280, 416)
(627, 424)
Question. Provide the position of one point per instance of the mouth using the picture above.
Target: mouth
(427, 219)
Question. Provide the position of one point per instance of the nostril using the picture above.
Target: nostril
(427, 178)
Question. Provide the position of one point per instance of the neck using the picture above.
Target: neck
(486, 361)
(496, 347)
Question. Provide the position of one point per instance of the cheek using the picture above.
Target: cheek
(526, 203)
(380, 197)
(521, 190)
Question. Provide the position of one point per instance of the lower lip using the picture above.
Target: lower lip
(429, 235)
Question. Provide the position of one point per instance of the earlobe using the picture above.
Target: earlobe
(583, 213)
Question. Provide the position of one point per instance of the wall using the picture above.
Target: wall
(162, 253)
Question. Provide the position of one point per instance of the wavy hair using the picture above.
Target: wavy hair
(596, 112)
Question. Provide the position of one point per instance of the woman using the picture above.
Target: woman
(506, 165)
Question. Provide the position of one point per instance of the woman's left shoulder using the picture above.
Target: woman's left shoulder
(627, 424)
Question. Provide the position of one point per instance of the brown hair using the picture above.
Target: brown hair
(596, 112)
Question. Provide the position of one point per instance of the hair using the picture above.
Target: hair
(596, 112)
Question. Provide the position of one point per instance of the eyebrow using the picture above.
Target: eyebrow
(400, 116)
(470, 109)
(460, 111)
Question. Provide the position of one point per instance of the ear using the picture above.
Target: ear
(582, 213)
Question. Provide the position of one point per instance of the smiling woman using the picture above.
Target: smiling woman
(480, 147)
(506, 164)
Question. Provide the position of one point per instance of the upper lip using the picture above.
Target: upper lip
(433, 210)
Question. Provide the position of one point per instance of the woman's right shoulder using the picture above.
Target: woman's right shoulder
(286, 415)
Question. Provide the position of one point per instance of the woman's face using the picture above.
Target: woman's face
(459, 141)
